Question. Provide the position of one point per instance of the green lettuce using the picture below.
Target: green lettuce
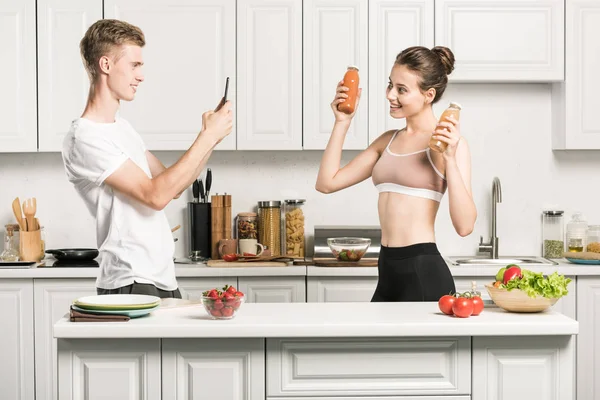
(536, 284)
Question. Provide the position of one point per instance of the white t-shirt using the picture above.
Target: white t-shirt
(134, 241)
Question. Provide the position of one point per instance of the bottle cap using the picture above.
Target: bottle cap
(353, 67)
(455, 104)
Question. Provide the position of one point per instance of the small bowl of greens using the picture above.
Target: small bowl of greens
(348, 248)
(521, 290)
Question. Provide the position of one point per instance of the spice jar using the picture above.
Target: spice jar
(576, 233)
(11, 250)
(593, 239)
(553, 234)
(247, 225)
(294, 238)
(269, 225)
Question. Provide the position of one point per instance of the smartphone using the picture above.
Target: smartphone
(224, 99)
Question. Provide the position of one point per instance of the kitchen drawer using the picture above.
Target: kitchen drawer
(368, 367)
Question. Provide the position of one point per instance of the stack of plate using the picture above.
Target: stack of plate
(132, 305)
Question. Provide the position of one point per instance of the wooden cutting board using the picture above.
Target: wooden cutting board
(233, 264)
(330, 262)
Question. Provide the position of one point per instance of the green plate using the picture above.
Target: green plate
(117, 302)
(129, 313)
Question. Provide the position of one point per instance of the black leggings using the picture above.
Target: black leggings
(412, 273)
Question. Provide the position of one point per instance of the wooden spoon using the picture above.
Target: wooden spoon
(29, 209)
(16, 206)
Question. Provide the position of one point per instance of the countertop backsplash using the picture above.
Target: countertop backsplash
(508, 130)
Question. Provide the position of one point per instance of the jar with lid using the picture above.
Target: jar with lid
(294, 223)
(553, 235)
(247, 225)
(11, 249)
(593, 239)
(269, 225)
(577, 230)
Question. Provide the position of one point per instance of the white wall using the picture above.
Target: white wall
(508, 128)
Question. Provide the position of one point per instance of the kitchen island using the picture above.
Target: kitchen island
(320, 351)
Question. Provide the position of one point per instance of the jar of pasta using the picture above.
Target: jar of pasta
(269, 226)
(247, 225)
(293, 237)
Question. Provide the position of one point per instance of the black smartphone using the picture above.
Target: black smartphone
(224, 99)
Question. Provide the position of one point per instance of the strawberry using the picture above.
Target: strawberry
(227, 312)
(239, 294)
(215, 313)
(229, 289)
(218, 304)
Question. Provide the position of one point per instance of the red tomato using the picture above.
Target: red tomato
(477, 305)
(230, 257)
(512, 273)
(445, 303)
(463, 307)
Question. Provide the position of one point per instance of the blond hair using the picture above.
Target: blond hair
(104, 37)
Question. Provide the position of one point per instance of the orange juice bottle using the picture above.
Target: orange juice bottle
(351, 82)
(452, 110)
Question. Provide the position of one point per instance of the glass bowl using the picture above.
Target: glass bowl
(222, 308)
(348, 248)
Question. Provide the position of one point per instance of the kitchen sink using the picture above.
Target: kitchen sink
(503, 261)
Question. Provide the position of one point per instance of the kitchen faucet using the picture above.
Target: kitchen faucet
(492, 246)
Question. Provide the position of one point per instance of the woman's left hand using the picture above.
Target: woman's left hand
(448, 132)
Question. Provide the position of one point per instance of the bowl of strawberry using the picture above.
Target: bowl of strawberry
(222, 303)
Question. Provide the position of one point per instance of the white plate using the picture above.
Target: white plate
(117, 301)
(129, 313)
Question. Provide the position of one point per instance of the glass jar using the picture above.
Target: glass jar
(11, 249)
(294, 241)
(269, 225)
(576, 233)
(593, 239)
(553, 235)
(247, 225)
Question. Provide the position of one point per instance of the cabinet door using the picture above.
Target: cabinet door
(335, 36)
(18, 108)
(16, 339)
(575, 102)
(52, 298)
(62, 79)
(340, 289)
(190, 50)
(269, 65)
(227, 369)
(393, 26)
(588, 340)
(273, 289)
(192, 288)
(503, 40)
(109, 369)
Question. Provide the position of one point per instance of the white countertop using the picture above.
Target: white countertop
(201, 270)
(268, 320)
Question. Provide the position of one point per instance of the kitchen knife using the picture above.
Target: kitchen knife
(202, 194)
(196, 191)
(208, 183)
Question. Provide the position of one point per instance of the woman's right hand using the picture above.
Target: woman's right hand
(340, 97)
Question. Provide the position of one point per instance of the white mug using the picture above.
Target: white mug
(250, 246)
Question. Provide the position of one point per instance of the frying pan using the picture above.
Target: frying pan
(74, 254)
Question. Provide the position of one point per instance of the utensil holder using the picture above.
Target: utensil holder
(30, 245)
(199, 215)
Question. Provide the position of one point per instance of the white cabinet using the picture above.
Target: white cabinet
(393, 26)
(273, 289)
(588, 340)
(534, 368)
(52, 299)
(62, 79)
(503, 40)
(18, 113)
(340, 289)
(16, 339)
(335, 36)
(227, 369)
(575, 102)
(127, 369)
(367, 367)
(190, 50)
(269, 66)
(192, 288)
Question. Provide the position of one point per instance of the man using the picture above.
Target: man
(124, 186)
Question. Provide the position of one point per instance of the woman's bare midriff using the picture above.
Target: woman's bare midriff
(406, 220)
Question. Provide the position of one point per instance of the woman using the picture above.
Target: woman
(410, 178)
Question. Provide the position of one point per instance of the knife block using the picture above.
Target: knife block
(199, 215)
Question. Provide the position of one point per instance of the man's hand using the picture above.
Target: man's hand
(218, 124)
